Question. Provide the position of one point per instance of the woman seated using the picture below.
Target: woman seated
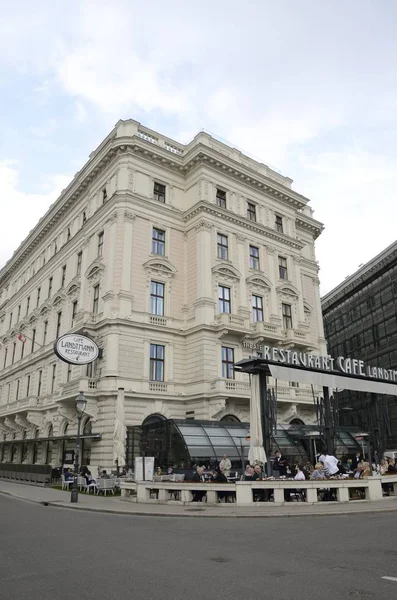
(197, 477)
(219, 477)
(318, 472)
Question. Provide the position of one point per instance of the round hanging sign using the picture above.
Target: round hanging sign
(76, 349)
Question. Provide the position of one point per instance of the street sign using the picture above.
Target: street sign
(76, 349)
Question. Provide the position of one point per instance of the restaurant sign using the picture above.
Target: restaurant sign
(76, 349)
(349, 366)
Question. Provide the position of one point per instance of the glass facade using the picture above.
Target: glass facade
(362, 323)
(181, 444)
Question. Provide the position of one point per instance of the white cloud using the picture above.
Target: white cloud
(21, 211)
(292, 84)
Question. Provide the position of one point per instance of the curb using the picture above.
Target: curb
(115, 511)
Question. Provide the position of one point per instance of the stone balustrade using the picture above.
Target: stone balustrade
(245, 492)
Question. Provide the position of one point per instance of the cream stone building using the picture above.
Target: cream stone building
(179, 261)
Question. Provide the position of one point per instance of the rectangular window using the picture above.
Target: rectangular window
(17, 391)
(8, 392)
(69, 373)
(279, 224)
(282, 267)
(257, 308)
(45, 331)
(84, 218)
(220, 198)
(39, 383)
(38, 296)
(157, 298)
(63, 278)
(158, 241)
(227, 362)
(33, 339)
(53, 378)
(23, 349)
(5, 358)
(223, 246)
(55, 247)
(59, 323)
(254, 257)
(156, 362)
(159, 192)
(95, 302)
(74, 310)
(49, 287)
(27, 305)
(104, 195)
(14, 347)
(28, 385)
(10, 321)
(287, 316)
(19, 313)
(79, 261)
(69, 235)
(223, 299)
(251, 211)
(100, 243)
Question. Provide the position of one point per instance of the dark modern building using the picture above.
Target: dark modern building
(360, 320)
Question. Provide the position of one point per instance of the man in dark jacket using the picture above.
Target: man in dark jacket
(280, 464)
(197, 477)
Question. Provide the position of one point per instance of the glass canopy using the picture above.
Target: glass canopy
(181, 444)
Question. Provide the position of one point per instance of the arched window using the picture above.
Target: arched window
(230, 419)
(65, 429)
(155, 418)
(296, 422)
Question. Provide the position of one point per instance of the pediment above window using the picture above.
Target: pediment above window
(289, 291)
(59, 298)
(259, 280)
(45, 308)
(307, 308)
(160, 265)
(226, 271)
(73, 288)
(95, 271)
(32, 318)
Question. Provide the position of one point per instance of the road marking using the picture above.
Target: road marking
(390, 578)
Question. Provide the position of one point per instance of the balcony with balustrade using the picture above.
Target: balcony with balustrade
(294, 338)
(267, 331)
(231, 323)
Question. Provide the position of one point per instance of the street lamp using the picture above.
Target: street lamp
(80, 404)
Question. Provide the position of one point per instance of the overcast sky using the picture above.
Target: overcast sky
(308, 87)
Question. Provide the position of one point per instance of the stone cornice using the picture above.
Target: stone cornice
(112, 148)
(225, 215)
(309, 224)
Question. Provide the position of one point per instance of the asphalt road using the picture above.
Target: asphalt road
(57, 554)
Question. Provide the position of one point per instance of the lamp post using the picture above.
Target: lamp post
(80, 404)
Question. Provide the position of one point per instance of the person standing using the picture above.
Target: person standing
(330, 463)
(225, 465)
(356, 460)
(280, 464)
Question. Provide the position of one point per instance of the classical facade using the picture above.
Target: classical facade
(360, 321)
(179, 261)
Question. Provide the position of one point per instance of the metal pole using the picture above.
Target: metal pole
(143, 465)
(242, 458)
(329, 442)
(265, 421)
(74, 497)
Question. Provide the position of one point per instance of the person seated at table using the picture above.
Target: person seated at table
(391, 469)
(219, 477)
(318, 472)
(86, 473)
(258, 474)
(104, 475)
(299, 475)
(366, 469)
(67, 475)
(197, 477)
(249, 473)
(358, 471)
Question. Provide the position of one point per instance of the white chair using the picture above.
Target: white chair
(106, 485)
(93, 485)
(65, 484)
(82, 483)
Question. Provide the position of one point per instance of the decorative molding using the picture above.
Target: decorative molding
(270, 249)
(129, 216)
(160, 265)
(226, 271)
(259, 280)
(288, 290)
(203, 224)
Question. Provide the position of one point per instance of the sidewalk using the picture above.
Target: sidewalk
(61, 499)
